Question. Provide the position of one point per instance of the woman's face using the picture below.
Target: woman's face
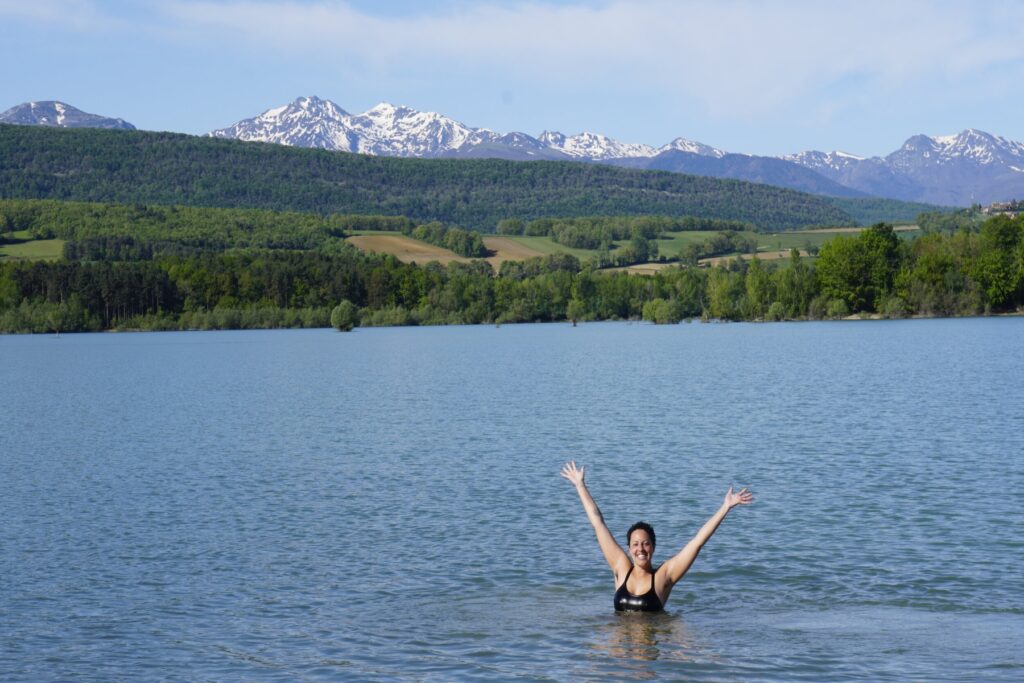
(641, 550)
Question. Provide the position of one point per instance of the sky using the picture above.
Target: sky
(752, 76)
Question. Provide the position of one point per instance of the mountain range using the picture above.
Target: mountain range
(955, 170)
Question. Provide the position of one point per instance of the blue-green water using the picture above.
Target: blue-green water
(385, 504)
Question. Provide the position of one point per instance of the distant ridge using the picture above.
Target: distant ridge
(967, 168)
(950, 170)
(59, 114)
(162, 168)
(953, 170)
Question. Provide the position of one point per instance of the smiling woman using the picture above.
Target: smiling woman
(639, 586)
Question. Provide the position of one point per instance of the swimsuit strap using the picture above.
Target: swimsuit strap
(623, 584)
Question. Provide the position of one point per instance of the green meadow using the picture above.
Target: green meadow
(19, 246)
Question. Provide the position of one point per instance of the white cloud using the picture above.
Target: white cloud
(736, 57)
(740, 61)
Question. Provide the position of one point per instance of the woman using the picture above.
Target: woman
(638, 585)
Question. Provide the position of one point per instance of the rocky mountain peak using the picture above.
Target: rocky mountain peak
(970, 147)
(318, 107)
(552, 138)
(593, 146)
(59, 114)
(684, 145)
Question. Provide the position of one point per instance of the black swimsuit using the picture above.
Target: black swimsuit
(627, 602)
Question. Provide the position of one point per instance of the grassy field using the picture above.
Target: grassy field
(671, 243)
(405, 249)
(801, 239)
(762, 255)
(641, 268)
(409, 250)
(545, 246)
(508, 249)
(371, 232)
(24, 248)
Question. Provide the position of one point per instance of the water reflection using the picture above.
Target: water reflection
(637, 640)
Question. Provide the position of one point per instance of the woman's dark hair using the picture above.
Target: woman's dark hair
(641, 525)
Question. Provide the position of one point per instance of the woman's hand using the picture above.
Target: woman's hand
(573, 473)
(743, 497)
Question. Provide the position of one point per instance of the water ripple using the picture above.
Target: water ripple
(385, 505)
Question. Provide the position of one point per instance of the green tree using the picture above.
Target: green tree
(575, 310)
(725, 294)
(344, 316)
(795, 286)
(760, 290)
(860, 270)
(998, 268)
(662, 311)
(510, 226)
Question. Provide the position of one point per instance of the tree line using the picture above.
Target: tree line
(717, 244)
(599, 232)
(874, 272)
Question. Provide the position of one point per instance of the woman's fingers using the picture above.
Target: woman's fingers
(571, 472)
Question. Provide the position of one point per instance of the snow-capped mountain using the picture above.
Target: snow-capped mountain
(592, 146)
(819, 161)
(684, 145)
(973, 147)
(306, 122)
(384, 129)
(59, 114)
(970, 167)
(390, 130)
(401, 131)
(485, 144)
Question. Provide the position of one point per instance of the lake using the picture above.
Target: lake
(385, 504)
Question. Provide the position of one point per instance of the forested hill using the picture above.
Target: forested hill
(169, 168)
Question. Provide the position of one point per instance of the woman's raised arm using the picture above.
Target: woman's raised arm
(676, 567)
(613, 553)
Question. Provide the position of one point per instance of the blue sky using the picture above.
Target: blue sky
(752, 76)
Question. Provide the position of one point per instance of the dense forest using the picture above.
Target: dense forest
(137, 167)
(600, 232)
(969, 219)
(871, 210)
(966, 272)
(188, 228)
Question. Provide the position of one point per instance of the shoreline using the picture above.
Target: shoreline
(857, 317)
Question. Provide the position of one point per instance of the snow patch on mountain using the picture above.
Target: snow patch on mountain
(819, 161)
(593, 146)
(60, 115)
(684, 145)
